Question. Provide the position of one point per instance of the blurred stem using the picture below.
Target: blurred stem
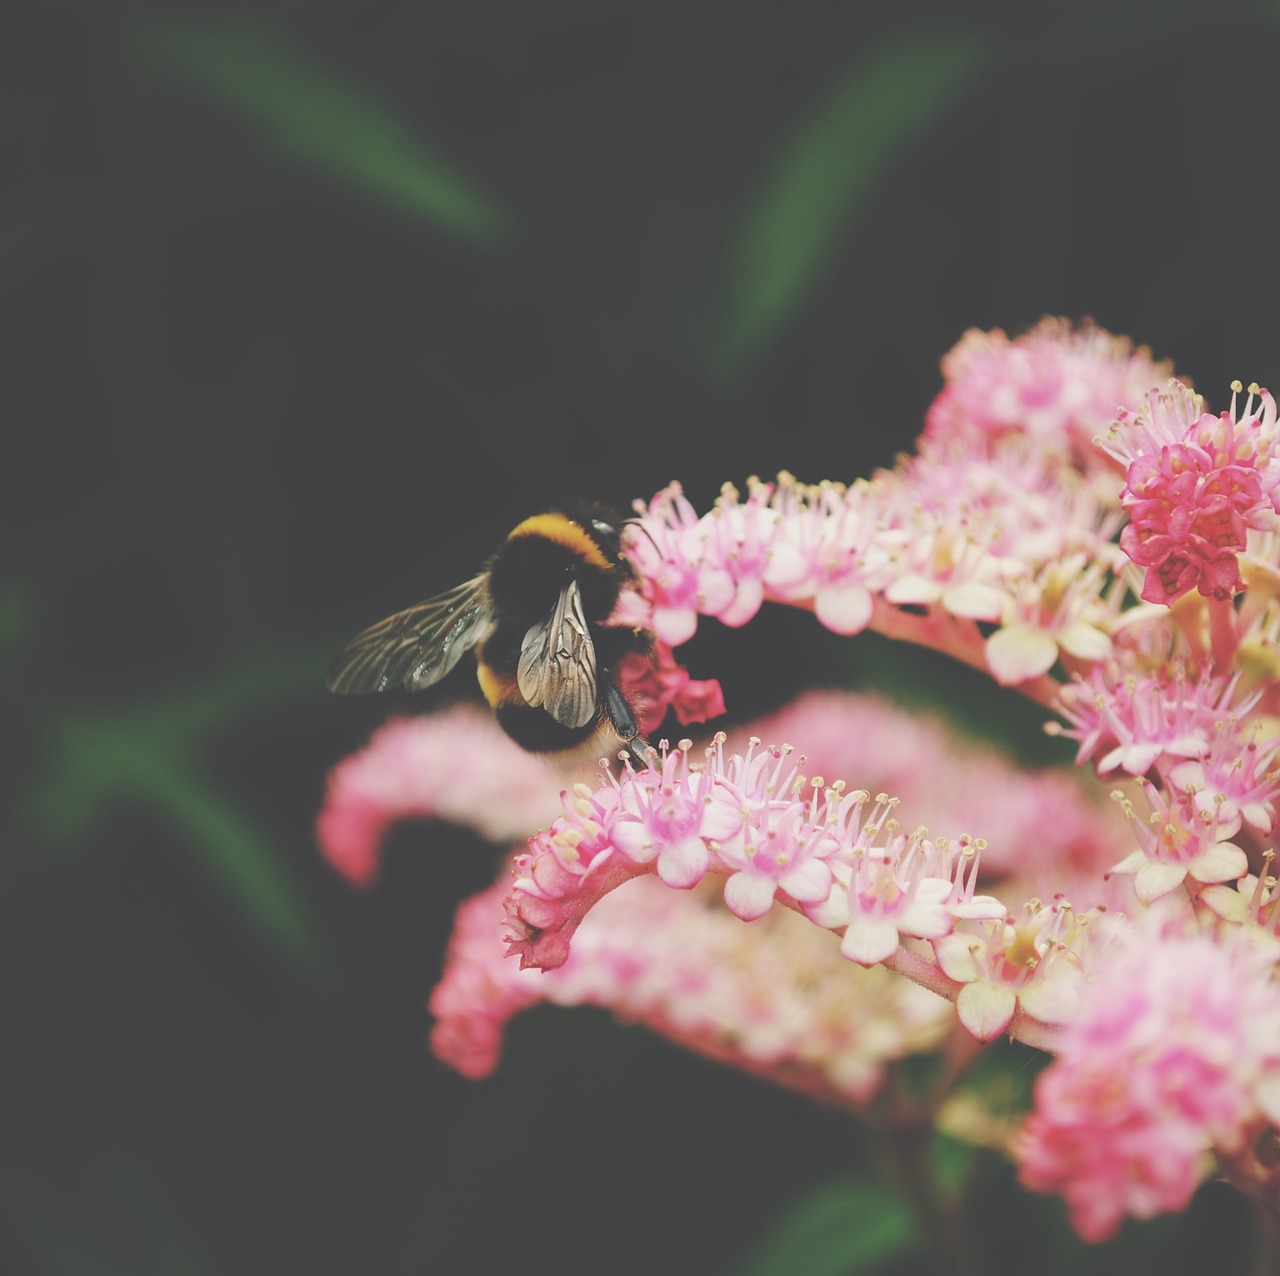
(1268, 1257)
(904, 1144)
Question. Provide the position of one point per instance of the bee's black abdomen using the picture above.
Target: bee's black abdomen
(538, 732)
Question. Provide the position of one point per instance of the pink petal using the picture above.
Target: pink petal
(974, 601)
(844, 609)
(1085, 641)
(675, 625)
(749, 895)
(955, 956)
(985, 1009)
(1153, 880)
(807, 884)
(1053, 999)
(1018, 652)
(684, 864)
(633, 839)
(722, 818)
(1221, 862)
(868, 942)
(927, 916)
(981, 908)
(913, 589)
(743, 605)
(786, 567)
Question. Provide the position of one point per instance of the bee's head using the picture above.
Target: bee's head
(602, 525)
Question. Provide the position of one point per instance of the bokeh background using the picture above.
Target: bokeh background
(305, 305)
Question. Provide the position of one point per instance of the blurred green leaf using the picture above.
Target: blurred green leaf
(844, 1227)
(831, 171)
(309, 113)
(147, 754)
(106, 760)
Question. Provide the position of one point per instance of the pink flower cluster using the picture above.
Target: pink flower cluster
(1054, 385)
(1076, 525)
(1195, 485)
(774, 999)
(768, 829)
(459, 770)
(1175, 1055)
(998, 552)
(778, 998)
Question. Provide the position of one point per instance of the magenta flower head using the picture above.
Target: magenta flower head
(1195, 485)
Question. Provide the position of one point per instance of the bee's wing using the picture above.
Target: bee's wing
(417, 647)
(557, 668)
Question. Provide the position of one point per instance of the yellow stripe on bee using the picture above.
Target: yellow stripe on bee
(564, 531)
(497, 689)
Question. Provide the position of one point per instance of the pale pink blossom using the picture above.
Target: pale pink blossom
(1235, 781)
(1177, 841)
(455, 766)
(1031, 964)
(1059, 612)
(775, 998)
(1036, 825)
(945, 565)
(684, 820)
(897, 886)
(1252, 903)
(785, 847)
(669, 551)
(1174, 1052)
(747, 538)
(836, 547)
(1133, 723)
(667, 815)
(1056, 384)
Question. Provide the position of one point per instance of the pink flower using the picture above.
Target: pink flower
(670, 554)
(742, 817)
(652, 685)
(775, 998)
(1136, 724)
(454, 766)
(1059, 612)
(744, 537)
(885, 903)
(1176, 843)
(1195, 484)
(1234, 781)
(480, 991)
(1057, 385)
(836, 551)
(1032, 965)
(785, 848)
(1175, 1051)
(1092, 1143)
(667, 816)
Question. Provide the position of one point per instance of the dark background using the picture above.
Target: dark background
(304, 308)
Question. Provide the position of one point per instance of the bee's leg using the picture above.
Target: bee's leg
(624, 723)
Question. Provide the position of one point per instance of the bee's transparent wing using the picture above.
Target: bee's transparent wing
(557, 668)
(417, 647)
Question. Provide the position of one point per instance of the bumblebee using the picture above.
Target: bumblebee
(535, 615)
